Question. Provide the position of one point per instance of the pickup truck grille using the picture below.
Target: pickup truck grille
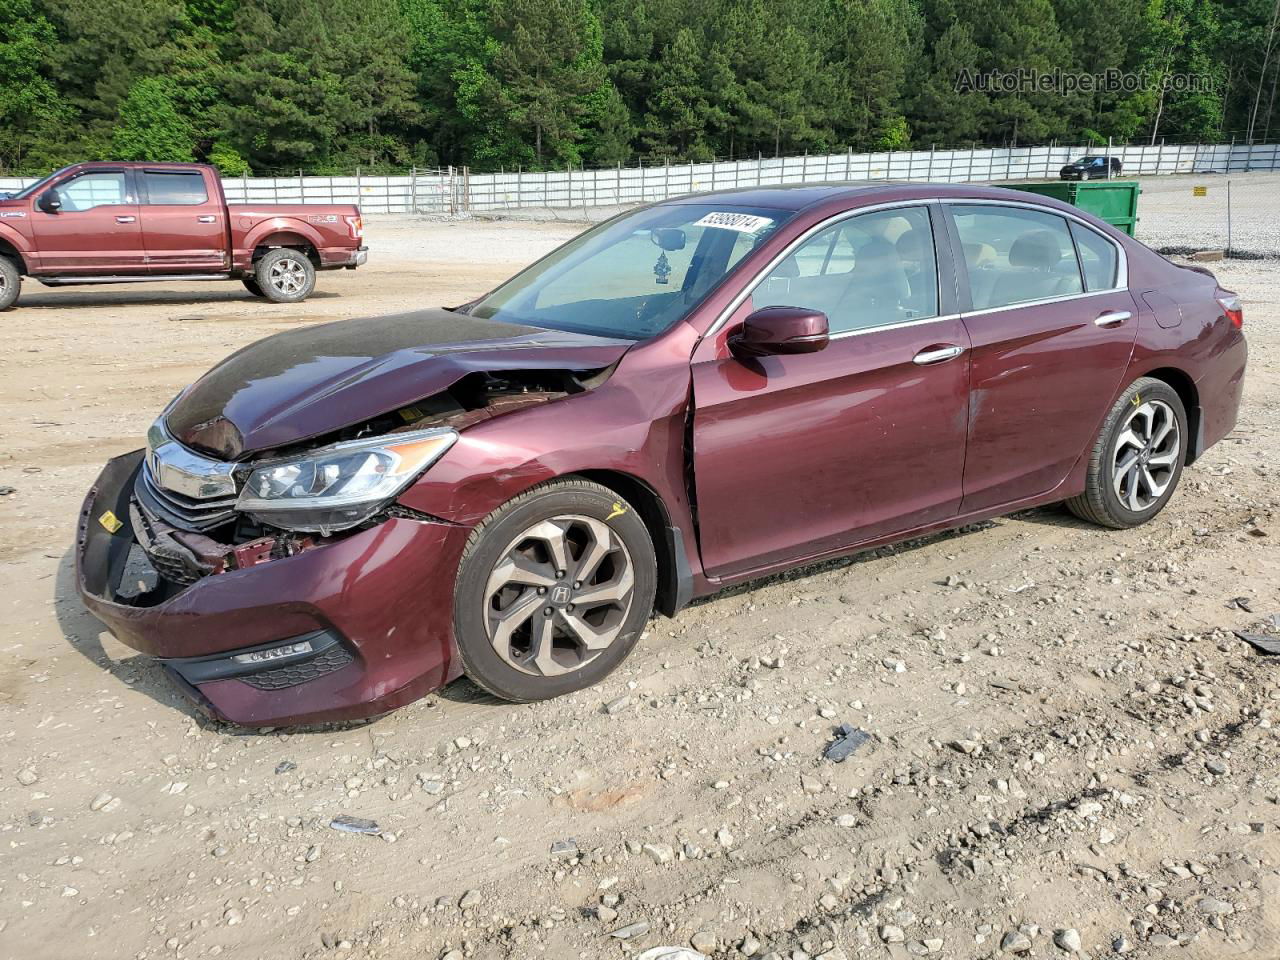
(179, 510)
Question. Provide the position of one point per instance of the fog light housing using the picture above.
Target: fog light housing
(272, 654)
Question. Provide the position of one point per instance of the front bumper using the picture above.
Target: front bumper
(378, 605)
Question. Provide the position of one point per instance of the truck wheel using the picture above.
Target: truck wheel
(251, 285)
(285, 276)
(10, 283)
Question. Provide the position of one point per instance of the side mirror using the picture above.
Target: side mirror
(668, 238)
(50, 202)
(780, 330)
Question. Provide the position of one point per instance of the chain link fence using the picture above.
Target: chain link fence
(1238, 214)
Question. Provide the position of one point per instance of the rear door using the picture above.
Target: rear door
(183, 222)
(797, 456)
(96, 231)
(1052, 325)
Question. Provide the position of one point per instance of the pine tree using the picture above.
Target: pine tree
(30, 104)
(150, 126)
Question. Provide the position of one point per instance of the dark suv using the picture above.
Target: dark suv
(1090, 168)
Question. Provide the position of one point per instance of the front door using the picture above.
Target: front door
(1053, 326)
(797, 456)
(183, 228)
(95, 232)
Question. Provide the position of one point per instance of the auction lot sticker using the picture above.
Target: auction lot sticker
(742, 222)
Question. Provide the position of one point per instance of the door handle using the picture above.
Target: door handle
(1113, 318)
(125, 219)
(208, 218)
(937, 355)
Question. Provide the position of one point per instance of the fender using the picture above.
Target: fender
(260, 231)
(20, 243)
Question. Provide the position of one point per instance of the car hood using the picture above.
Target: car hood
(310, 382)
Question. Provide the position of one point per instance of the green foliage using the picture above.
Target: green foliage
(150, 126)
(327, 85)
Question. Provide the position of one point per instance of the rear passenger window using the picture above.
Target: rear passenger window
(867, 271)
(1097, 257)
(175, 188)
(1012, 255)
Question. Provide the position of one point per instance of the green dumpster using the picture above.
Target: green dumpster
(1115, 201)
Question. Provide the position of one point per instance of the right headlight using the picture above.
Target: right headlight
(339, 486)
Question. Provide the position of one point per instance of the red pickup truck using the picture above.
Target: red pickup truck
(130, 222)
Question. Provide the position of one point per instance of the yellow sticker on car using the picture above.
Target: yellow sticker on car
(110, 521)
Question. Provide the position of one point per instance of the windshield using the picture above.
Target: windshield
(27, 191)
(635, 276)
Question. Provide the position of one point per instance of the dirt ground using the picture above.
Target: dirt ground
(1065, 734)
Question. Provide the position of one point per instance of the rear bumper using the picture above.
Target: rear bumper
(376, 608)
(337, 258)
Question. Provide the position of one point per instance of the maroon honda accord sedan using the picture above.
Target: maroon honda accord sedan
(337, 520)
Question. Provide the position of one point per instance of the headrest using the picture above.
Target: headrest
(1038, 249)
(874, 248)
(909, 245)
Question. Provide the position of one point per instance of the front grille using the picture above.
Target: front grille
(278, 678)
(179, 510)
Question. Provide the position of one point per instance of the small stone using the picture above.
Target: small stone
(749, 946)
(1216, 767)
(637, 929)
(1121, 945)
(1215, 908)
(606, 914)
(811, 784)
(1162, 940)
(284, 766)
(564, 849)
(614, 707)
(967, 747)
(1015, 941)
(469, 900)
(27, 776)
(897, 666)
(100, 801)
(933, 944)
(659, 852)
(1068, 940)
(233, 915)
(892, 934)
(704, 941)
(846, 820)
(312, 854)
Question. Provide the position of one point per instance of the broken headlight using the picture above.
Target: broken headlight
(337, 487)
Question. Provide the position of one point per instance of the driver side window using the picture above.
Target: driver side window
(93, 190)
(867, 271)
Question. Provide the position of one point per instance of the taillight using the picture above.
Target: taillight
(1232, 309)
(356, 224)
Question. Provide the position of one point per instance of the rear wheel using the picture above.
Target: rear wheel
(285, 275)
(553, 591)
(1084, 174)
(10, 283)
(1137, 460)
(251, 285)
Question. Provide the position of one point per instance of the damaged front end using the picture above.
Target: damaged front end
(190, 516)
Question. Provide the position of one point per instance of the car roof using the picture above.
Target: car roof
(800, 197)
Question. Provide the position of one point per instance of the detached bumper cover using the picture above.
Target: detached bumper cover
(378, 606)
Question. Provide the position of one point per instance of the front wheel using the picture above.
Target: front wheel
(1137, 460)
(10, 283)
(553, 591)
(1084, 174)
(285, 275)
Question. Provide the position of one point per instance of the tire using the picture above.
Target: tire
(251, 285)
(285, 275)
(496, 637)
(10, 283)
(1084, 174)
(1119, 498)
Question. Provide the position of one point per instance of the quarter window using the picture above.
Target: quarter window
(94, 190)
(179, 188)
(866, 271)
(1013, 255)
(1097, 257)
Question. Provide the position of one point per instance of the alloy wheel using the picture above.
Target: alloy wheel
(559, 595)
(1145, 457)
(287, 276)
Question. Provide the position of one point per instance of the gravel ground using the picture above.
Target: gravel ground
(1068, 747)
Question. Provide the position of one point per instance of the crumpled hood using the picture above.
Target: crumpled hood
(310, 382)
